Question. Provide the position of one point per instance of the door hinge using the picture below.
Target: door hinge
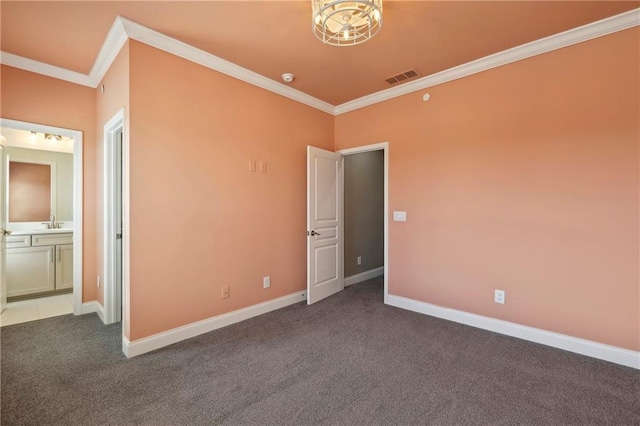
(118, 236)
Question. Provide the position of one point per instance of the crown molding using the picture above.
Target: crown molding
(45, 69)
(567, 38)
(123, 29)
(116, 38)
(160, 41)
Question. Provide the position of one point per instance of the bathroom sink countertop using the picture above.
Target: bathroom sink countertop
(42, 231)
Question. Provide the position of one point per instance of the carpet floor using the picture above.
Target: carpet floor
(347, 360)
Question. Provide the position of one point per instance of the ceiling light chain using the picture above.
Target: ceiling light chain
(346, 22)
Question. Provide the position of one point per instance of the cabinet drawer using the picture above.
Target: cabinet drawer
(14, 241)
(51, 239)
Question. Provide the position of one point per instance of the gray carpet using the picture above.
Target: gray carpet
(346, 360)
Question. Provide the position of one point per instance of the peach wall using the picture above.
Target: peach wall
(522, 178)
(35, 98)
(114, 98)
(200, 220)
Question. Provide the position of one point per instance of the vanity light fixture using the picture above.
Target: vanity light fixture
(344, 22)
(33, 136)
(52, 137)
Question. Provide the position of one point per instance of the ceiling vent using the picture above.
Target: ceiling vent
(407, 75)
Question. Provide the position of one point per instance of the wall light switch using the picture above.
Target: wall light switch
(399, 216)
(252, 165)
(263, 167)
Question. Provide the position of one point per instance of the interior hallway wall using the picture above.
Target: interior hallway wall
(363, 212)
(114, 98)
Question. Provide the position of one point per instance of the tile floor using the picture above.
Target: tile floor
(34, 309)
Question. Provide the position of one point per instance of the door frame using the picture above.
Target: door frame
(382, 146)
(77, 196)
(3, 256)
(113, 126)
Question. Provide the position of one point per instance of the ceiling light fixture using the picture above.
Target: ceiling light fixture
(344, 22)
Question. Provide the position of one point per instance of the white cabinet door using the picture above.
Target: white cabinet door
(64, 266)
(30, 270)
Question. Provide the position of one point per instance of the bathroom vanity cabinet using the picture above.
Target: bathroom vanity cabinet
(39, 263)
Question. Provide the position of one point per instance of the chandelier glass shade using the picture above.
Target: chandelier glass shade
(345, 22)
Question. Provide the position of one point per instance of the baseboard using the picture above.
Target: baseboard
(157, 341)
(609, 353)
(91, 307)
(363, 276)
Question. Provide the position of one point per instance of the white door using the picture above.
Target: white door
(3, 279)
(324, 224)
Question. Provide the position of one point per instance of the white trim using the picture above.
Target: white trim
(111, 128)
(190, 53)
(37, 67)
(363, 276)
(160, 340)
(384, 146)
(91, 307)
(596, 29)
(116, 38)
(609, 353)
(77, 197)
(122, 29)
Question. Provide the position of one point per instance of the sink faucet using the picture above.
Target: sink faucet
(52, 223)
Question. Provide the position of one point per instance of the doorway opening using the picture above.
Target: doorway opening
(366, 170)
(57, 246)
(363, 216)
(325, 223)
(114, 220)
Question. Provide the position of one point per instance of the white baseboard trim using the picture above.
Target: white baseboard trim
(609, 353)
(363, 276)
(91, 307)
(157, 341)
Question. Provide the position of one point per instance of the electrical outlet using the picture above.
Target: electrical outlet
(499, 296)
(266, 282)
(359, 260)
(225, 292)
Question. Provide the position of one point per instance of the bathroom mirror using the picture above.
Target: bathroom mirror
(30, 191)
(39, 184)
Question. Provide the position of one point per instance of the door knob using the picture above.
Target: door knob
(6, 232)
(314, 233)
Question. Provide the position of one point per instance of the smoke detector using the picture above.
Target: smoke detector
(287, 77)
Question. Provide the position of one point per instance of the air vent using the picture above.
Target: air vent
(407, 75)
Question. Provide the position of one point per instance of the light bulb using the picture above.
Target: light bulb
(376, 15)
(345, 34)
(33, 136)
